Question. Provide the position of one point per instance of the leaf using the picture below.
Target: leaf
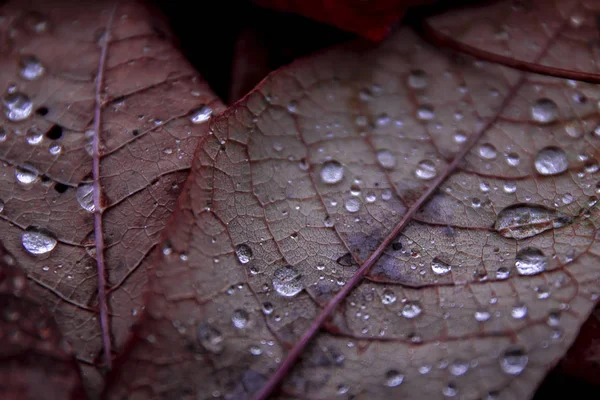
(55, 55)
(31, 346)
(463, 191)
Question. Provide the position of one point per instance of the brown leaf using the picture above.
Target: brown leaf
(463, 191)
(36, 362)
(56, 54)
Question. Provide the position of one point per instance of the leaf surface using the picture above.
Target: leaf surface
(302, 187)
(65, 76)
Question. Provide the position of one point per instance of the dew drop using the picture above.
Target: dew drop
(267, 308)
(459, 367)
(460, 137)
(482, 315)
(287, 281)
(386, 194)
(210, 338)
(240, 318)
(292, 106)
(544, 111)
(520, 221)
(17, 106)
(530, 261)
(426, 170)
(243, 253)
(34, 137)
(425, 113)
(513, 361)
(551, 161)
(502, 273)
(574, 129)
(370, 197)
(510, 187)
(411, 309)
(487, 151)
(332, 172)
(519, 311)
(386, 159)
(55, 149)
(450, 390)
(388, 297)
(1, 206)
(85, 196)
(37, 241)
(201, 114)
(417, 79)
(440, 267)
(513, 159)
(25, 175)
(352, 205)
(30, 67)
(393, 378)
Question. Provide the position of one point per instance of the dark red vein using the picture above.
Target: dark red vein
(294, 353)
(98, 210)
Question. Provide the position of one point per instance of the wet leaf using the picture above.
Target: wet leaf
(32, 349)
(152, 108)
(426, 171)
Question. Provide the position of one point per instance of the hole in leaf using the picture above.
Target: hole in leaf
(135, 132)
(42, 111)
(55, 132)
(60, 187)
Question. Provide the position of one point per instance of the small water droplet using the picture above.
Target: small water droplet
(201, 114)
(440, 267)
(210, 338)
(332, 172)
(510, 187)
(267, 308)
(25, 175)
(551, 161)
(292, 106)
(37, 241)
(17, 106)
(513, 159)
(544, 111)
(521, 221)
(450, 390)
(85, 196)
(502, 273)
(370, 197)
(519, 311)
(55, 149)
(243, 253)
(240, 318)
(393, 378)
(530, 261)
(482, 315)
(574, 129)
(386, 194)
(1, 206)
(382, 120)
(352, 205)
(487, 151)
(417, 79)
(411, 309)
(287, 281)
(459, 367)
(388, 297)
(426, 170)
(513, 361)
(460, 137)
(386, 159)
(30, 67)
(425, 113)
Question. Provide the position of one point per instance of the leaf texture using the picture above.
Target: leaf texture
(31, 346)
(148, 96)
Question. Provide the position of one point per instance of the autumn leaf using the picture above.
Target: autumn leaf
(101, 115)
(393, 221)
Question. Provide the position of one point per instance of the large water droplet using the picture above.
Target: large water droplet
(386, 159)
(544, 111)
(85, 196)
(352, 205)
(513, 361)
(201, 114)
(426, 170)
(332, 172)
(411, 309)
(17, 106)
(440, 267)
(521, 221)
(393, 378)
(37, 241)
(530, 261)
(287, 281)
(417, 79)
(243, 253)
(31, 67)
(240, 318)
(487, 151)
(551, 161)
(25, 175)
(210, 338)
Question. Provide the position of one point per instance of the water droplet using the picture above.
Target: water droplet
(34, 137)
(382, 120)
(459, 367)
(482, 315)
(574, 129)
(36, 241)
(411, 309)
(210, 338)
(355, 190)
(1, 206)
(386, 194)
(388, 297)
(551, 161)
(201, 114)
(426, 170)
(85, 196)
(17, 106)
(393, 378)
(352, 205)
(460, 137)
(519, 311)
(530, 261)
(544, 111)
(240, 318)
(55, 149)
(292, 106)
(554, 318)
(513, 159)
(31, 67)
(476, 202)
(440, 267)
(514, 360)
(25, 175)
(370, 197)
(287, 281)
(417, 79)
(332, 172)
(521, 221)
(267, 308)
(450, 390)
(243, 253)
(487, 151)
(510, 187)
(386, 159)
(425, 113)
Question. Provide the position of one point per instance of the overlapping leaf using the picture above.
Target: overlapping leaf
(310, 177)
(150, 99)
